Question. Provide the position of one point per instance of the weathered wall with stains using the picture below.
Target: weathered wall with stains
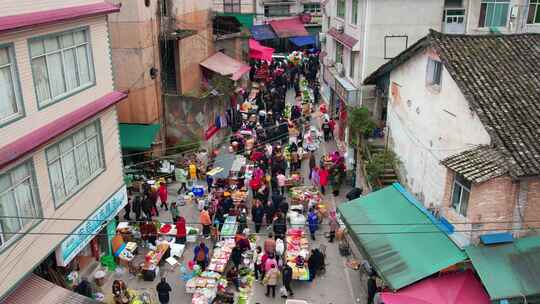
(187, 119)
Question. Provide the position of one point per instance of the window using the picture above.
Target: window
(276, 10)
(61, 65)
(354, 12)
(231, 6)
(74, 161)
(460, 194)
(351, 64)
(340, 9)
(493, 13)
(313, 8)
(339, 52)
(10, 93)
(534, 12)
(434, 71)
(18, 203)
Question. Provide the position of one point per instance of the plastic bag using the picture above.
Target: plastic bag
(283, 291)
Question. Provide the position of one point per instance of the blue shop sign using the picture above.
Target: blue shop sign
(74, 243)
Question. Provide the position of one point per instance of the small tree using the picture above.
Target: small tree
(360, 124)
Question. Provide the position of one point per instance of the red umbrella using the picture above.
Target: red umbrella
(453, 288)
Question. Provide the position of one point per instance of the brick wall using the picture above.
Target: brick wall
(490, 201)
(532, 211)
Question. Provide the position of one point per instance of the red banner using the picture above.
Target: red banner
(211, 131)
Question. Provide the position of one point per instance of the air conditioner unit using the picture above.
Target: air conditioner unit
(339, 28)
(339, 69)
(322, 37)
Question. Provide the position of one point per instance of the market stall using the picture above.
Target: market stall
(297, 253)
(229, 228)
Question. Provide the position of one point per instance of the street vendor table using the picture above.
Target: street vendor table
(229, 228)
(297, 246)
(304, 194)
(150, 268)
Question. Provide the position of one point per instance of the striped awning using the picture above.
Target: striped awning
(37, 290)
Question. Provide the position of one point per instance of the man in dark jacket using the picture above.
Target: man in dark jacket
(137, 207)
(147, 206)
(257, 214)
(280, 227)
(127, 210)
(286, 275)
(163, 290)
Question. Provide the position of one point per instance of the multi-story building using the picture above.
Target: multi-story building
(59, 147)
(263, 11)
(462, 114)
(361, 35)
(157, 48)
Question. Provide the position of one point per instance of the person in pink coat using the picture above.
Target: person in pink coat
(163, 193)
(323, 178)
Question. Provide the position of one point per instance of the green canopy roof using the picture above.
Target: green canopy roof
(137, 137)
(244, 19)
(509, 270)
(401, 240)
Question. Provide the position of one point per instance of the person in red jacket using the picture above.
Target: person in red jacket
(323, 178)
(163, 193)
(181, 230)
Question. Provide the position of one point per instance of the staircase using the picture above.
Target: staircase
(389, 175)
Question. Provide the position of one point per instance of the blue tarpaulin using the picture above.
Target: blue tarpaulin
(262, 32)
(303, 40)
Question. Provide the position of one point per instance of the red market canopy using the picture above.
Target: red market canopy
(286, 28)
(258, 51)
(225, 66)
(452, 288)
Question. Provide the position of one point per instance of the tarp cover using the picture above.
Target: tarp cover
(245, 19)
(509, 270)
(452, 288)
(286, 28)
(398, 236)
(303, 40)
(262, 32)
(137, 137)
(258, 51)
(225, 66)
(343, 38)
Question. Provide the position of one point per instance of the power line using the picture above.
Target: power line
(348, 224)
(265, 234)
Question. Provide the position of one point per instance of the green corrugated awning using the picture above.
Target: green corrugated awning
(245, 19)
(509, 270)
(137, 137)
(398, 236)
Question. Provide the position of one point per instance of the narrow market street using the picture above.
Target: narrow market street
(339, 284)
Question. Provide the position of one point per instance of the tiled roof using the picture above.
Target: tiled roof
(478, 164)
(500, 77)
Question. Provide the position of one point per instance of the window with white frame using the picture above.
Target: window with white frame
(434, 72)
(534, 12)
(339, 52)
(354, 12)
(231, 6)
(10, 93)
(314, 8)
(61, 65)
(340, 13)
(493, 13)
(460, 194)
(276, 10)
(74, 161)
(19, 205)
